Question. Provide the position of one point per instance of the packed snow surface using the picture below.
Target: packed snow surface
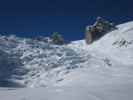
(102, 70)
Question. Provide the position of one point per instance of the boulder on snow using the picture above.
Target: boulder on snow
(98, 29)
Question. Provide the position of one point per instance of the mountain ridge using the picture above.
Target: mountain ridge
(40, 64)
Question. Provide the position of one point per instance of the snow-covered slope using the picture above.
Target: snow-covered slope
(35, 63)
(118, 43)
(107, 60)
(102, 70)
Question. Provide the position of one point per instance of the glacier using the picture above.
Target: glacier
(36, 70)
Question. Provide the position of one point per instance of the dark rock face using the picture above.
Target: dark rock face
(98, 29)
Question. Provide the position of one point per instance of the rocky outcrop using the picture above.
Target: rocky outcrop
(57, 39)
(98, 29)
